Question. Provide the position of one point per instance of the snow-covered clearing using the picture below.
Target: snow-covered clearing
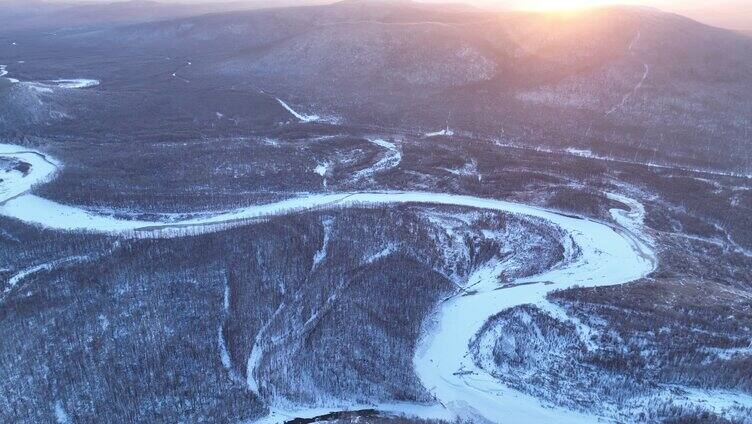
(470, 169)
(322, 168)
(732, 405)
(391, 159)
(726, 354)
(383, 253)
(321, 253)
(75, 83)
(266, 339)
(299, 116)
(224, 354)
(721, 402)
(47, 266)
(446, 132)
(632, 220)
(254, 359)
(60, 415)
(48, 86)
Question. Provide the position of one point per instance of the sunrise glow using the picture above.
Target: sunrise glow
(557, 5)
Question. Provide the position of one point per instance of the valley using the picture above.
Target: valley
(248, 216)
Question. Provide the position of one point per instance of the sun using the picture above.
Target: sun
(563, 5)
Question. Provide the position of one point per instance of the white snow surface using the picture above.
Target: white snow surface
(470, 169)
(609, 255)
(383, 253)
(391, 159)
(47, 86)
(730, 404)
(14, 183)
(75, 83)
(23, 274)
(224, 354)
(584, 331)
(322, 168)
(718, 401)
(322, 252)
(299, 116)
(4, 72)
(446, 132)
(61, 417)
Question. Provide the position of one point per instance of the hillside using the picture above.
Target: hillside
(375, 211)
(36, 15)
(668, 86)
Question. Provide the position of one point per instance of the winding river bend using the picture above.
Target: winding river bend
(608, 255)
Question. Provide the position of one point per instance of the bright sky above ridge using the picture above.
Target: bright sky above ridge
(733, 14)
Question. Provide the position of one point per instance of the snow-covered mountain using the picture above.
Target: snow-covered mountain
(616, 81)
(380, 212)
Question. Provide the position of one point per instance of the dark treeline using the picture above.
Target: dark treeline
(628, 367)
(135, 331)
